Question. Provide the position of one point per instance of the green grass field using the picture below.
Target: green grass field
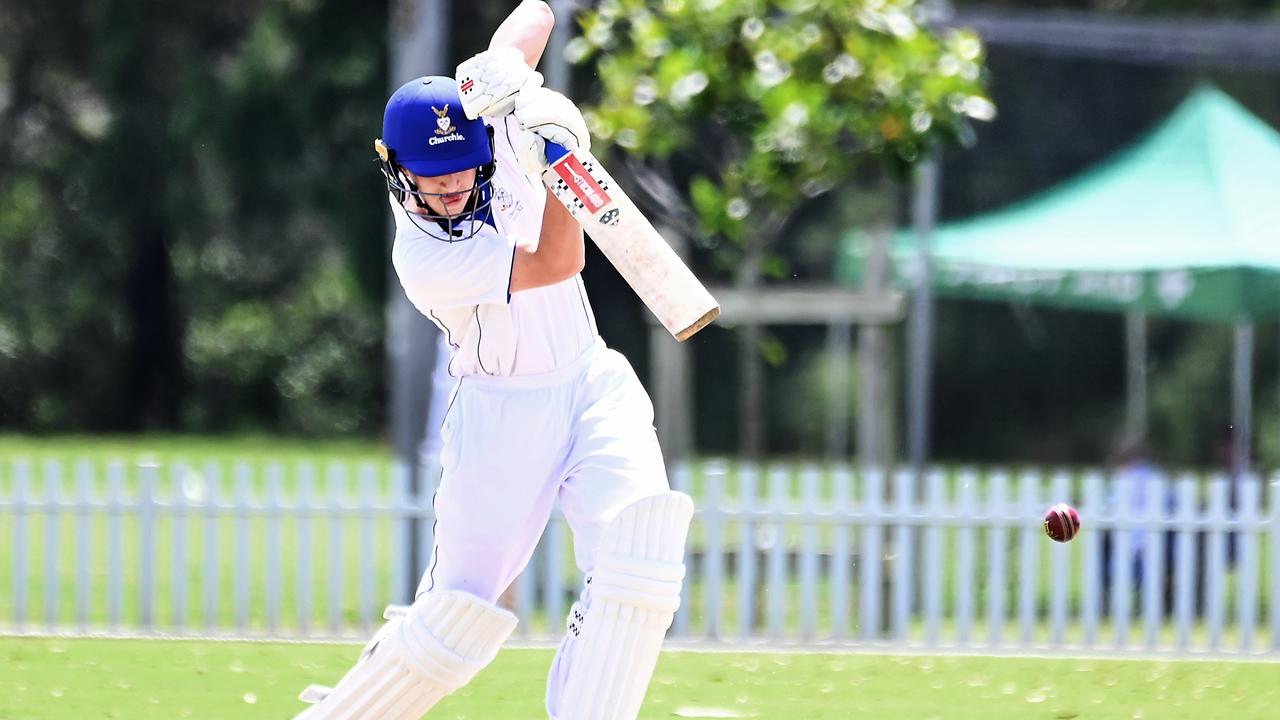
(140, 679)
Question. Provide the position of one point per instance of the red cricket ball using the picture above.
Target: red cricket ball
(1061, 523)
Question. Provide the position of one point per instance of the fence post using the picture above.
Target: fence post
(1028, 556)
(747, 474)
(1153, 570)
(1216, 558)
(871, 555)
(776, 589)
(1061, 570)
(713, 474)
(52, 523)
(809, 479)
(307, 508)
(1273, 527)
(84, 537)
(1247, 589)
(178, 483)
(147, 544)
(242, 581)
(964, 556)
(1094, 510)
(904, 563)
(1185, 575)
(274, 510)
(212, 570)
(840, 611)
(936, 499)
(115, 542)
(337, 545)
(998, 541)
(22, 509)
(367, 563)
(1121, 561)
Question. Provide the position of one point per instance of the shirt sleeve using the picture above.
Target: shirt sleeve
(439, 274)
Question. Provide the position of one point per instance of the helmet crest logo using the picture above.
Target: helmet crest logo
(444, 125)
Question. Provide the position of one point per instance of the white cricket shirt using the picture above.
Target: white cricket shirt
(463, 286)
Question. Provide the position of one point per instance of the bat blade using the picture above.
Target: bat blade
(626, 237)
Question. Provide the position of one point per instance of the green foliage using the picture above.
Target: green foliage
(1190, 396)
(1190, 406)
(191, 235)
(803, 397)
(1199, 8)
(776, 101)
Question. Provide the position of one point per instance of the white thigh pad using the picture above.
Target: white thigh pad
(418, 657)
(604, 667)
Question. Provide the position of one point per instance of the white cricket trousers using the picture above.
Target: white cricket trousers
(512, 446)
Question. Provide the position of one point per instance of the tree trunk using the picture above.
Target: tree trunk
(751, 421)
(155, 366)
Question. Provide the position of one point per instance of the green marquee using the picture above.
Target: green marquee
(1185, 223)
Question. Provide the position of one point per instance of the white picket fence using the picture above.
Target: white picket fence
(803, 554)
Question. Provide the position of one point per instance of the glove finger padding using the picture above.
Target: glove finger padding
(552, 116)
(489, 82)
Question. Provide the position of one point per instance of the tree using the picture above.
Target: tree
(183, 240)
(754, 108)
(1217, 8)
(778, 100)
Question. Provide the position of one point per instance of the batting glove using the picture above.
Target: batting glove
(531, 151)
(490, 81)
(552, 117)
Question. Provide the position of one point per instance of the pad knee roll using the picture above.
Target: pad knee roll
(435, 648)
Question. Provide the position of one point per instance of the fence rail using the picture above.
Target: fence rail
(784, 553)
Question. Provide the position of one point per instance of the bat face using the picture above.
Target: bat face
(630, 242)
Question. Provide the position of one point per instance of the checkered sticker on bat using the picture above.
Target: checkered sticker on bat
(610, 218)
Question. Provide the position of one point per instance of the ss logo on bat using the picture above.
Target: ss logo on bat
(610, 218)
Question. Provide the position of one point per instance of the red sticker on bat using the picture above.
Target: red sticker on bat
(582, 184)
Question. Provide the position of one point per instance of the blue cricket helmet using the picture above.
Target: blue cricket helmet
(425, 130)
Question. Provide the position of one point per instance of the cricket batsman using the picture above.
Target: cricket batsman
(542, 411)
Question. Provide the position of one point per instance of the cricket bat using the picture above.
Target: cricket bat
(626, 237)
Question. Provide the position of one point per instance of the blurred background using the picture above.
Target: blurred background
(193, 241)
(193, 236)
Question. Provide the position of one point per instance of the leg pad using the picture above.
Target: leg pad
(416, 659)
(603, 668)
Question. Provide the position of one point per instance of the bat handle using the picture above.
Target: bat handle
(555, 151)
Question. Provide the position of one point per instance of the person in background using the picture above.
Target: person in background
(1135, 490)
